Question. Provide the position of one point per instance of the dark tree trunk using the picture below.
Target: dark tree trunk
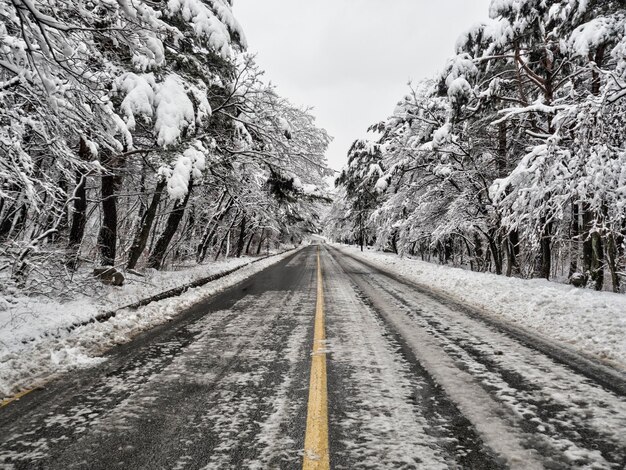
(260, 245)
(242, 236)
(226, 236)
(586, 235)
(512, 244)
(597, 261)
(593, 250)
(79, 217)
(58, 225)
(13, 221)
(206, 242)
(448, 251)
(394, 242)
(20, 221)
(79, 212)
(361, 231)
(190, 227)
(478, 250)
(611, 251)
(8, 219)
(155, 260)
(468, 249)
(575, 236)
(494, 247)
(546, 235)
(502, 150)
(250, 238)
(147, 220)
(546, 251)
(596, 81)
(5, 222)
(107, 238)
(221, 246)
(211, 229)
(142, 191)
(2, 205)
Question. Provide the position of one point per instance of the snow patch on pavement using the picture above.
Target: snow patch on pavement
(592, 322)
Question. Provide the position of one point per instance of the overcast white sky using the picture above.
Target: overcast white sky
(351, 59)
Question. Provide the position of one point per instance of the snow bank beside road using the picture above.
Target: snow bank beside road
(591, 322)
(25, 319)
(36, 344)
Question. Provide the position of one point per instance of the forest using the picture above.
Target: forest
(140, 134)
(513, 159)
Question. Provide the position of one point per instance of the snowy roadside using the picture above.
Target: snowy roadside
(35, 342)
(589, 321)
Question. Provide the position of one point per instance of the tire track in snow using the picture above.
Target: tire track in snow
(385, 411)
(564, 416)
(554, 404)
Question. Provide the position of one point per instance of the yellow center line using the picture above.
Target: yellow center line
(316, 438)
(17, 396)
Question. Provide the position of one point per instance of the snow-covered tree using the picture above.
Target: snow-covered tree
(512, 159)
(359, 179)
(141, 128)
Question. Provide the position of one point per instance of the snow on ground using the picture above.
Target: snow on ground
(591, 322)
(35, 342)
(25, 318)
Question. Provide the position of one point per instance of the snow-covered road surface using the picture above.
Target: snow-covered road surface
(413, 382)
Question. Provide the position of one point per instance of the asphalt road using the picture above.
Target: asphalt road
(413, 381)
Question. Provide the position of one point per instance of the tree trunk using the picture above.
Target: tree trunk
(597, 260)
(261, 238)
(107, 237)
(611, 251)
(155, 260)
(141, 237)
(470, 255)
(448, 250)
(494, 246)
(478, 250)
(242, 235)
(361, 231)
(6, 222)
(56, 225)
(249, 243)
(79, 216)
(206, 241)
(546, 251)
(226, 237)
(586, 235)
(227, 253)
(394, 242)
(211, 229)
(501, 162)
(596, 81)
(13, 222)
(575, 237)
(512, 244)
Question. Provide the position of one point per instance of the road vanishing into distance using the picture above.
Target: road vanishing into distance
(324, 361)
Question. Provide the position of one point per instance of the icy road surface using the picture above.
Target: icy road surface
(413, 382)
